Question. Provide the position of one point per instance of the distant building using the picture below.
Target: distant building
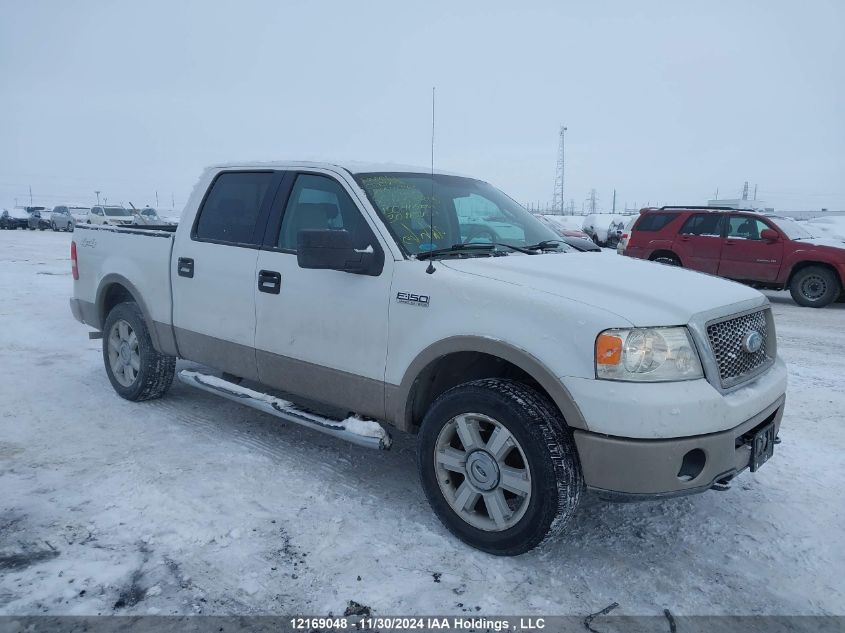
(739, 203)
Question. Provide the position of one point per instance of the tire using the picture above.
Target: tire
(539, 446)
(151, 375)
(815, 287)
(667, 259)
(54, 227)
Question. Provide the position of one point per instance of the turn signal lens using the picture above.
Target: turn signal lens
(608, 349)
(74, 267)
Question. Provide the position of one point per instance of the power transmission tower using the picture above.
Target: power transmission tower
(592, 200)
(745, 191)
(558, 201)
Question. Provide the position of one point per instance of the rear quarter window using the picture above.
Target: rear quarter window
(231, 208)
(653, 221)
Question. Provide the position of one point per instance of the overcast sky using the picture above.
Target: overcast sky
(664, 101)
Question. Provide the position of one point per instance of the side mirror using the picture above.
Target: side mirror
(327, 249)
(769, 235)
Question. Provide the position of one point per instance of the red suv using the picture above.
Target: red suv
(766, 251)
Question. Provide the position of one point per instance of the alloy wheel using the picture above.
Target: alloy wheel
(124, 355)
(482, 472)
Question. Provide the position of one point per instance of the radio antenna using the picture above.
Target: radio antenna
(431, 267)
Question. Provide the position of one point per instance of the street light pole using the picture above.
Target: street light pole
(98, 198)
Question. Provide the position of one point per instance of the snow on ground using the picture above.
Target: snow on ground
(830, 226)
(193, 504)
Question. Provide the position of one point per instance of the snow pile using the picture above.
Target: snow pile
(830, 226)
(570, 222)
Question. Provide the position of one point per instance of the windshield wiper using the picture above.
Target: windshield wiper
(481, 247)
(544, 245)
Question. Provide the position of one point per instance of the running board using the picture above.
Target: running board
(366, 433)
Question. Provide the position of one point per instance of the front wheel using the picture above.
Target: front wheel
(815, 287)
(54, 227)
(499, 466)
(134, 367)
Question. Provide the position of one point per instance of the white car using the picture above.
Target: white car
(527, 374)
(111, 215)
(65, 217)
(147, 216)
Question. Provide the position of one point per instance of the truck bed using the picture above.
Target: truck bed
(137, 257)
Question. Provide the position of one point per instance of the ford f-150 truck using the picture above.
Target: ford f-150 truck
(347, 297)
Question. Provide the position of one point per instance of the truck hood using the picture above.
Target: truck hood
(641, 292)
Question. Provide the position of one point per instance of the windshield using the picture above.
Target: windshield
(793, 229)
(466, 211)
(149, 212)
(119, 211)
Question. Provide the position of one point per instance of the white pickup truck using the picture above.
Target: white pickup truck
(528, 373)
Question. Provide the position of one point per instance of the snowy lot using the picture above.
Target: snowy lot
(192, 504)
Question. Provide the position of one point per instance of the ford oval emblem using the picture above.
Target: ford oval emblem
(752, 342)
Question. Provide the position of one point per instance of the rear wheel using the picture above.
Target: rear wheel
(666, 258)
(815, 287)
(134, 367)
(498, 466)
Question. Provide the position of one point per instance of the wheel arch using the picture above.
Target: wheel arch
(461, 359)
(806, 263)
(115, 289)
(665, 252)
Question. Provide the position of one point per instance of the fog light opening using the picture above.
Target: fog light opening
(692, 465)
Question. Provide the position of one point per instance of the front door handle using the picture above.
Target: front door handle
(185, 267)
(269, 281)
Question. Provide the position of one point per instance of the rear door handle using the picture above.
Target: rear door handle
(185, 267)
(269, 281)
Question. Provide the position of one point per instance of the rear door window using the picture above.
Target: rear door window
(653, 221)
(703, 225)
(230, 211)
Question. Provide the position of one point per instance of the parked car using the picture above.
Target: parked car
(65, 217)
(766, 251)
(605, 229)
(147, 216)
(578, 240)
(528, 374)
(37, 221)
(14, 219)
(626, 234)
(114, 216)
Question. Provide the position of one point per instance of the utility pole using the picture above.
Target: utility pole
(98, 198)
(614, 201)
(755, 191)
(172, 201)
(30, 196)
(558, 201)
(156, 199)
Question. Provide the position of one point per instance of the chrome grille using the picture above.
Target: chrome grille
(727, 340)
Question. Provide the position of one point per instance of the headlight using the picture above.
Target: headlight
(647, 354)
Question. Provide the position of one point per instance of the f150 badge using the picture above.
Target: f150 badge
(412, 299)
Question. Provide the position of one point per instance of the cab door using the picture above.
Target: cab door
(322, 334)
(699, 242)
(745, 254)
(214, 272)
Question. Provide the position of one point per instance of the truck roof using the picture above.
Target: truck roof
(353, 167)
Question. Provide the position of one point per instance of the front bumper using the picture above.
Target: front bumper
(628, 469)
